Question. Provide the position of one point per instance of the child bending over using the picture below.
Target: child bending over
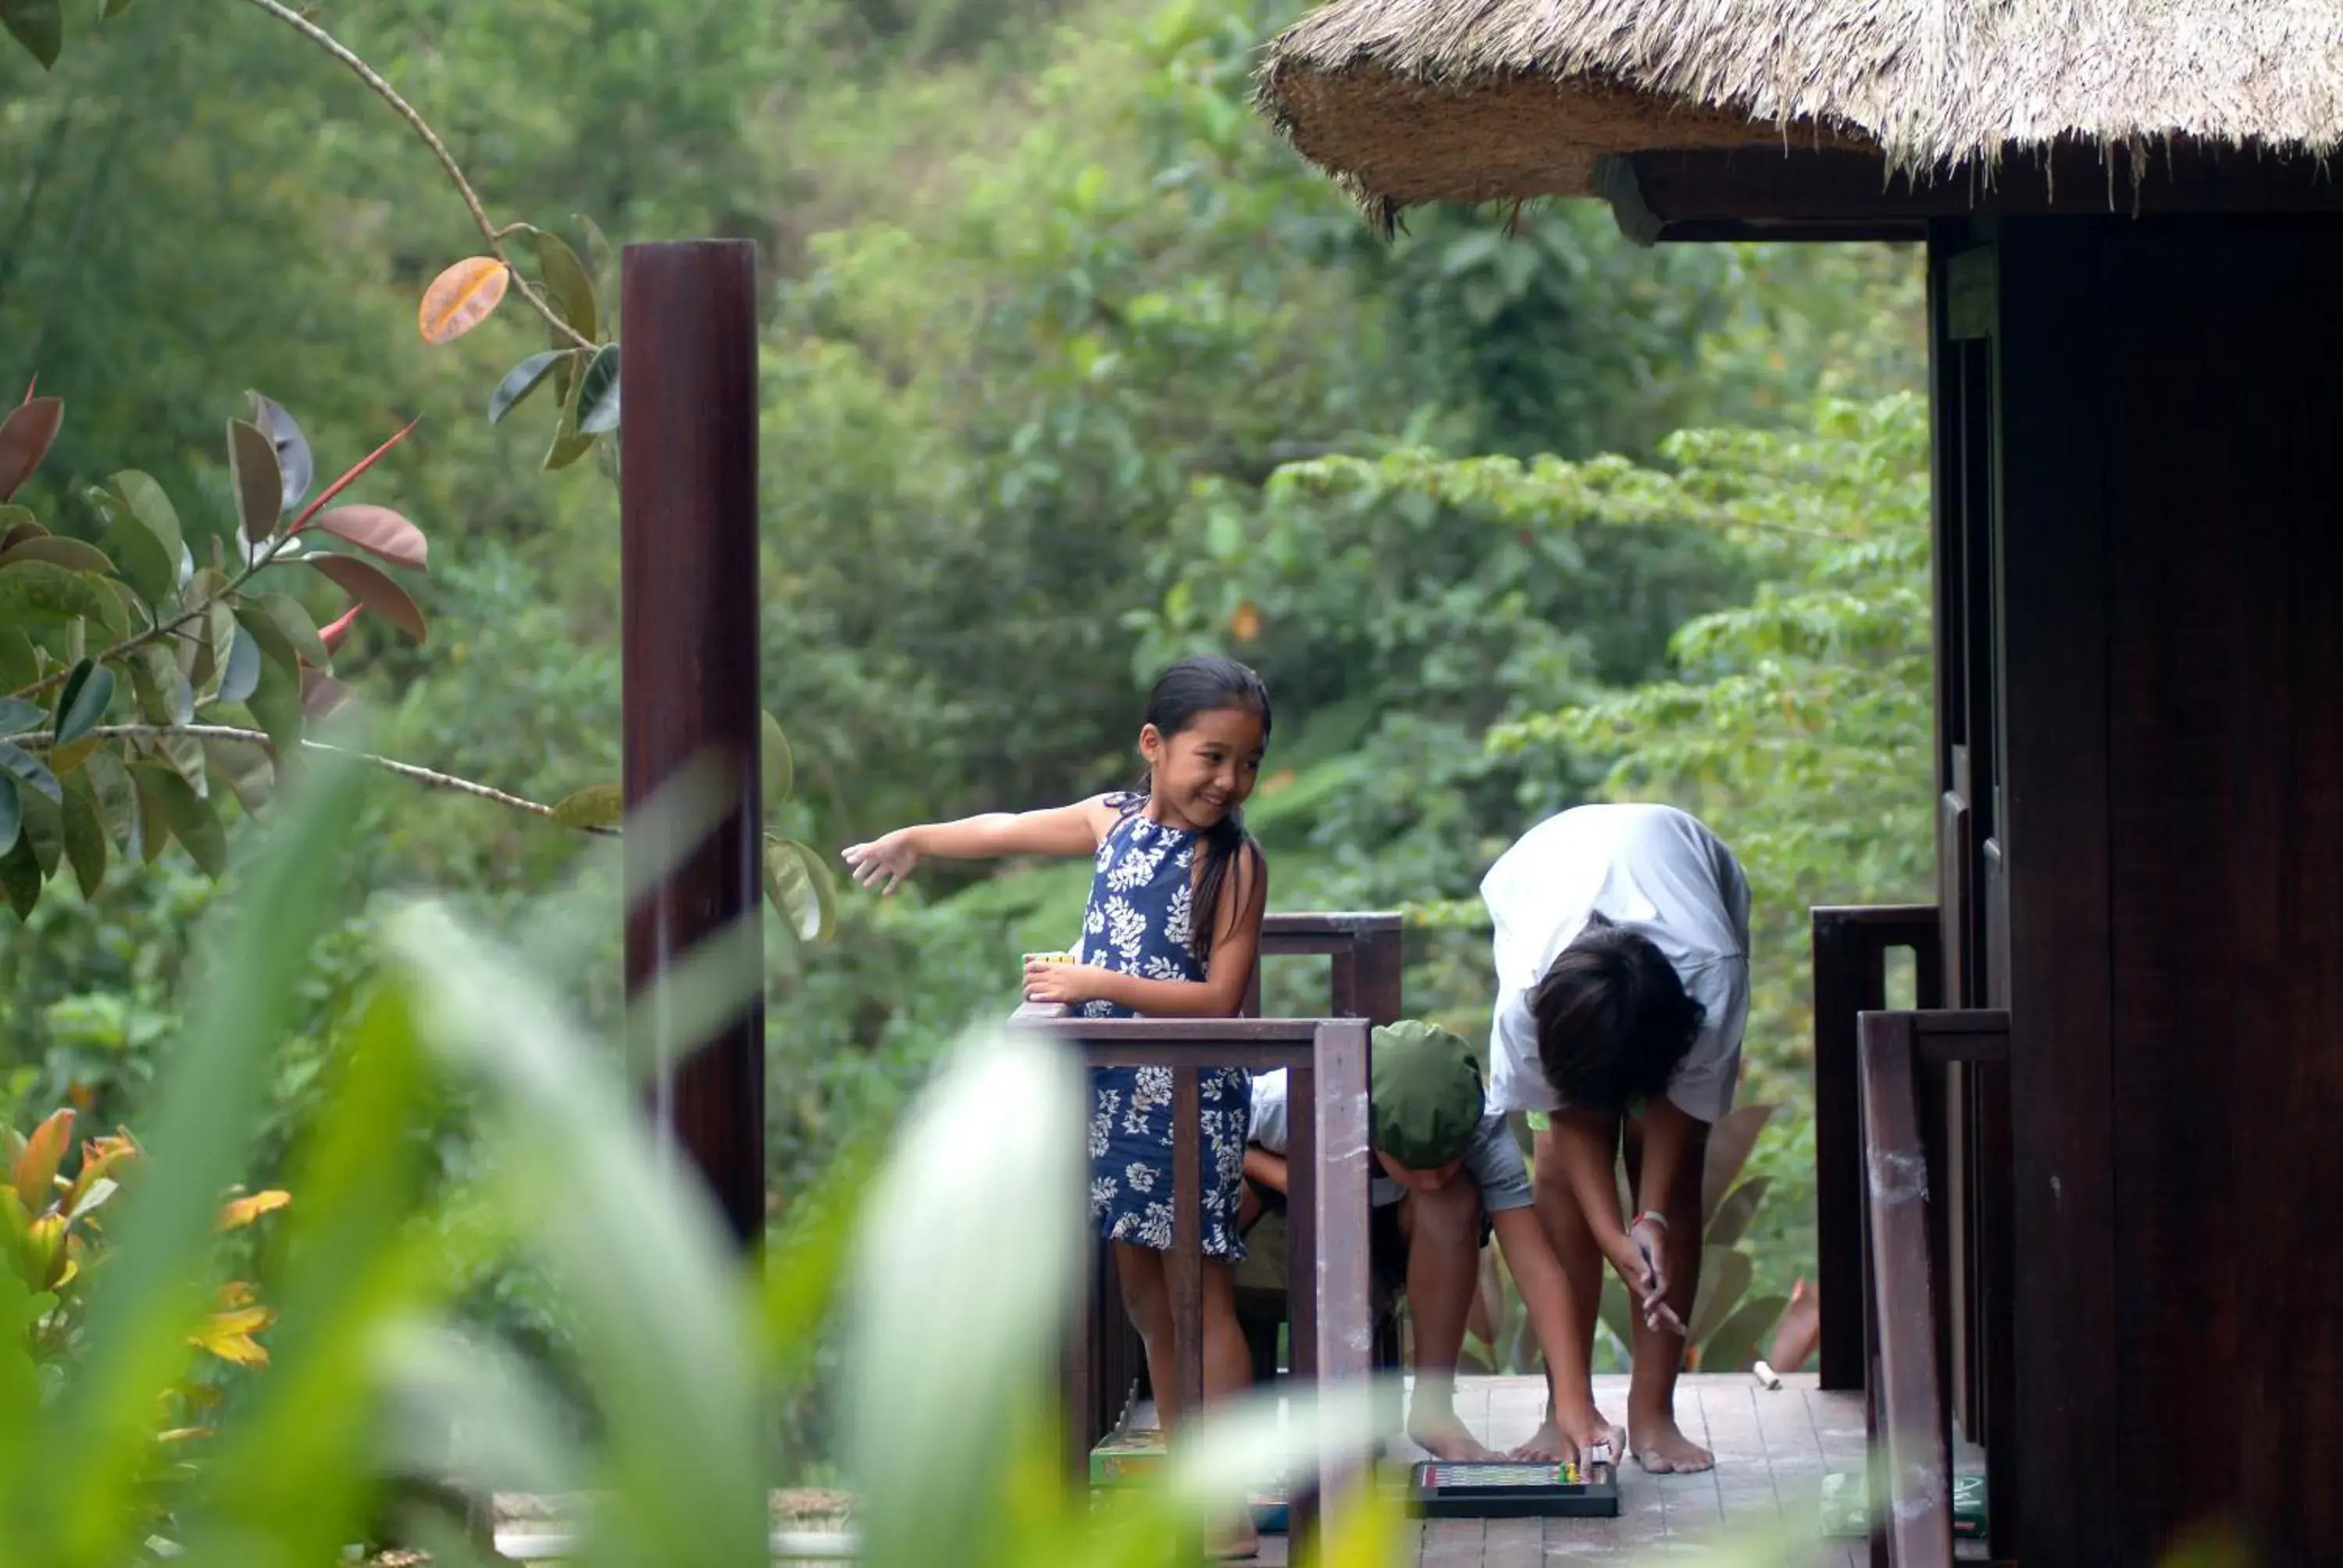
(1171, 931)
(1622, 950)
(1449, 1176)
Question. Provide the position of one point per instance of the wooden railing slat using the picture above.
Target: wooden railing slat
(1184, 1266)
(1850, 978)
(1906, 1398)
(1301, 1232)
(1342, 1328)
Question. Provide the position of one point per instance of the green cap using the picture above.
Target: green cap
(1425, 1087)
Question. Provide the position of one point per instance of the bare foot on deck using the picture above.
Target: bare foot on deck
(1660, 1447)
(1439, 1434)
(1588, 1437)
(1235, 1543)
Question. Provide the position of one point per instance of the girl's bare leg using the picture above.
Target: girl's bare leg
(1228, 1365)
(1147, 1298)
(1228, 1373)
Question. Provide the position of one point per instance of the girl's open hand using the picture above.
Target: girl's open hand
(1068, 985)
(884, 862)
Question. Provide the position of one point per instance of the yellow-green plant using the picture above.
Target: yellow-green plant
(55, 1241)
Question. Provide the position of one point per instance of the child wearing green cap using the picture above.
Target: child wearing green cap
(1622, 949)
(1448, 1176)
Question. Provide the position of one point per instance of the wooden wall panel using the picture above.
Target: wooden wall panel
(2225, 483)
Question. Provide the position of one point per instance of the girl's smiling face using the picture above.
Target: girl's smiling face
(1207, 770)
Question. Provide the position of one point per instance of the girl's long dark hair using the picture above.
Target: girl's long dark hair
(1206, 684)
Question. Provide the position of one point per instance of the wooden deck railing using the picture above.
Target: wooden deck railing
(1326, 1218)
(1363, 980)
(1850, 978)
(1904, 1345)
(1325, 1061)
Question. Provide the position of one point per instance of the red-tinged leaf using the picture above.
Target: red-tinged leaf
(293, 457)
(374, 588)
(35, 1174)
(259, 483)
(331, 636)
(379, 530)
(344, 483)
(24, 437)
(461, 297)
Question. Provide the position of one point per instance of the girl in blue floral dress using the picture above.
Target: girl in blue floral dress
(1171, 931)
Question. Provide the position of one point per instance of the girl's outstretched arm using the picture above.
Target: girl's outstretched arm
(1069, 831)
(1236, 943)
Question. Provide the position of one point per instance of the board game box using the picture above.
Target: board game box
(1130, 1453)
(1506, 1489)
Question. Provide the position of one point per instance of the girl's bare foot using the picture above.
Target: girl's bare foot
(1588, 1437)
(1235, 1542)
(1439, 1434)
(1660, 1447)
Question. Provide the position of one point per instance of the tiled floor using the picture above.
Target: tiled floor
(1773, 1447)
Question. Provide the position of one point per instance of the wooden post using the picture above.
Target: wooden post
(688, 548)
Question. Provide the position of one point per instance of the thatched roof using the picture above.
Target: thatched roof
(1414, 101)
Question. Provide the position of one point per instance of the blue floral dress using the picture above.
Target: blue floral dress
(1140, 921)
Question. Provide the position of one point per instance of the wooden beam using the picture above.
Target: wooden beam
(1774, 190)
(688, 628)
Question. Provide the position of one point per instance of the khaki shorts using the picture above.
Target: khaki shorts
(1539, 1120)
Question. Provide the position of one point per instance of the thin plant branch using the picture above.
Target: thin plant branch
(493, 233)
(46, 740)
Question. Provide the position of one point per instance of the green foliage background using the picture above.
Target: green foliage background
(1069, 368)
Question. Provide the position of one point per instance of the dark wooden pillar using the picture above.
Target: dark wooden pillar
(2050, 390)
(2174, 782)
(688, 545)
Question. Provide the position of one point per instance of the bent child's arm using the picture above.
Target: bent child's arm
(1586, 1143)
(1668, 1132)
(1265, 1167)
(1066, 830)
(1236, 942)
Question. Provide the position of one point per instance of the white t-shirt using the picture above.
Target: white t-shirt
(1654, 871)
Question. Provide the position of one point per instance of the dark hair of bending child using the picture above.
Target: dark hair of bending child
(1614, 1022)
(1171, 931)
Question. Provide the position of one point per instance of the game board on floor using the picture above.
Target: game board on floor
(1504, 1488)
